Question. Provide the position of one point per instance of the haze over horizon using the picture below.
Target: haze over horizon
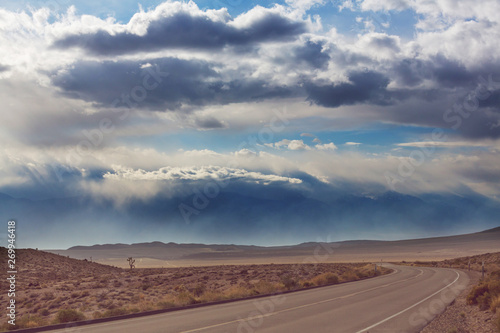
(248, 122)
(285, 245)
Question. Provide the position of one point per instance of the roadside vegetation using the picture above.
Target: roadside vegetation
(486, 295)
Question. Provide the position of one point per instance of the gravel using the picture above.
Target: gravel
(462, 318)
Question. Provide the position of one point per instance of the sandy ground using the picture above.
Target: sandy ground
(346, 258)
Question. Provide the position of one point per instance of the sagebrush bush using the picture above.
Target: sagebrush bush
(486, 294)
(325, 278)
(289, 282)
(265, 287)
(349, 276)
(185, 298)
(199, 290)
(211, 296)
(238, 292)
(44, 312)
(69, 315)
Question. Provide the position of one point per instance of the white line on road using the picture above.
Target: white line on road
(408, 308)
(303, 306)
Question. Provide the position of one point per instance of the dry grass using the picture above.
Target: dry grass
(495, 304)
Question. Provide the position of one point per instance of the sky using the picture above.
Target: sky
(248, 122)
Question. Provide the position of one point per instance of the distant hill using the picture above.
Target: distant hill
(432, 248)
(494, 230)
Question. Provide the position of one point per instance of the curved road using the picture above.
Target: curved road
(403, 301)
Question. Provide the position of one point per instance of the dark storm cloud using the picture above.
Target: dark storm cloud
(364, 87)
(4, 68)
(450, 73)
(170, 83)
(209, 123)
(411, 72)
(445, 72)
(183, 30)
(492, 101)
(384, 42)
(479, 124)
(311, 53)
(444, 109)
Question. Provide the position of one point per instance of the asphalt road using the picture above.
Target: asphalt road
(404, 301)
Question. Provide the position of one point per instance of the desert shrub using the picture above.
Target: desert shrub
(476, 292)
(265, 287)
(199, 290)
(485, 294)
(165, 304)
(180, 288)
(484, 301)
(349, 276)
(332, 278)
(360, 274)
(102, 296)
(44, 312)
(69, 315)
(289, 282)
(185, 298)
(495, 275)
(107, 305)
(61, 299)
(28, 321)
(238, 292)
(325, 278)
(211, 296)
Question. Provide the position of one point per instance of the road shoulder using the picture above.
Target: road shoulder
(459, 317)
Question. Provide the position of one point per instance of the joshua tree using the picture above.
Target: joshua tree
(131, 262)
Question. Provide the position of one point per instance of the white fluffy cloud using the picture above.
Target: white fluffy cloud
(198, 173)
(300, 145)
(290, 144)
(326, 146)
